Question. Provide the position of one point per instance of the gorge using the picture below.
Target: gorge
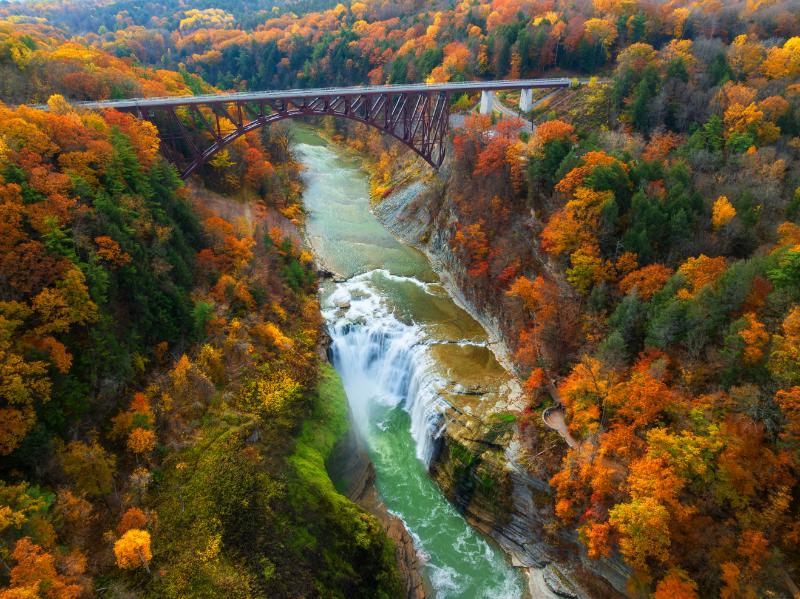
(246, 357)
(401, 346)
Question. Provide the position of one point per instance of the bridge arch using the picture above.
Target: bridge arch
(433, 154)
(417, 119)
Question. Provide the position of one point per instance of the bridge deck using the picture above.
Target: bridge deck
(463, 86)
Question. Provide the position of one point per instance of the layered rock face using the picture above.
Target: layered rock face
(477, 459)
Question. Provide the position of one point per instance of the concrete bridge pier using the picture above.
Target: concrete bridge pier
(525, 100)
(487, 101)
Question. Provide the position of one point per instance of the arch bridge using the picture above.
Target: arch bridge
(415, 114)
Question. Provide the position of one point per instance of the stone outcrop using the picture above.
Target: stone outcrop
(476, 461)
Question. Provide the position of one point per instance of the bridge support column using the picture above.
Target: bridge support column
(487, 101)
(525, 100)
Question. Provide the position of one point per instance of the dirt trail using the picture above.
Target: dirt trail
(553, 417)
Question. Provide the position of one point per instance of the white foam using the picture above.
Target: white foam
(445, 581)
(510, 589)
(383, 360)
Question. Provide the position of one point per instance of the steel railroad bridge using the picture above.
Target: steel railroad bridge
(415, 114)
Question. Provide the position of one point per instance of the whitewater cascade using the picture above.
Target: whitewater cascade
(384, 361)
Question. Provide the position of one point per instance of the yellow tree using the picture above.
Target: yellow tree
(132, 550)
(584, 392)
(643, 526)
(755, 337)
(635, 57)
(575, 226)
(699, 272)
(789, 402)
(785, 356)
(783, 62)
(90, 466)
(587, 268)
(18, 506)
(23, 383)
(745, 55)
(601, 32)
(66, 304)
(722, 213)
(141, 441)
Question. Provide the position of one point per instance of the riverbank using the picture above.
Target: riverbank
(393, 211)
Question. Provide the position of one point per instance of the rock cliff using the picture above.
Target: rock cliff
(477, 462)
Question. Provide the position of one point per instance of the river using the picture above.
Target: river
(402, 348)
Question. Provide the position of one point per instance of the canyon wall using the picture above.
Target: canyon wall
(477, 462)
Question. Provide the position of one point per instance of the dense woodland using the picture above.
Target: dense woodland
(164, 417)
(642, 248)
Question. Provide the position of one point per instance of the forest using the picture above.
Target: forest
(158, 360)
(160, 363)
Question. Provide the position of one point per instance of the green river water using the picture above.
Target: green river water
(399, 343)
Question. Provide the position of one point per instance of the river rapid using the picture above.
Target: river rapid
(403, 349)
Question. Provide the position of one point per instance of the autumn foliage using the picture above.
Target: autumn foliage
(132, 550)
(639, 252)
(636, 308)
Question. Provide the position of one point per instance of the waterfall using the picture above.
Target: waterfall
(402, 350)
(383, 360)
